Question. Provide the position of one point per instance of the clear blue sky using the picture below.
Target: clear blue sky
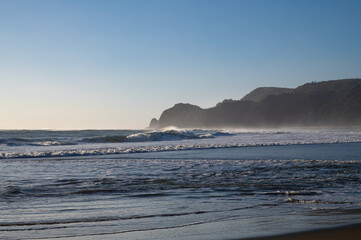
(116, 64)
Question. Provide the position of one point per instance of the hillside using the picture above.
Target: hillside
(261, 93)
(327, 103)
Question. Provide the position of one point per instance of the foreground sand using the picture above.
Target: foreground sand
(350, 232)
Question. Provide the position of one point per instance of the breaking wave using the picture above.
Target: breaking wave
(105, 142)
(159, 135)
(110, 137)
(172, 134)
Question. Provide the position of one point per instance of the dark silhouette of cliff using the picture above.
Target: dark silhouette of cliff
(261, 93)
(328, 103)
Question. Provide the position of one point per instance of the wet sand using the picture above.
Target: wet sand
(349, 232)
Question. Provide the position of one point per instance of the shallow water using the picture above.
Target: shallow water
(280, 184)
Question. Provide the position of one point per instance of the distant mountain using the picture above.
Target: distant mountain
(327, 103)
(261, 93)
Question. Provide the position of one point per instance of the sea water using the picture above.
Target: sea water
(177, 184)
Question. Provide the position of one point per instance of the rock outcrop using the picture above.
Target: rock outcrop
(154, 123)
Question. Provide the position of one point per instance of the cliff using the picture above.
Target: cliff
(328, 103)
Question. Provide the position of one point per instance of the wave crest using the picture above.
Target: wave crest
(168, 134)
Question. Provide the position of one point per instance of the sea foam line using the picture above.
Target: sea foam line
(112, 151)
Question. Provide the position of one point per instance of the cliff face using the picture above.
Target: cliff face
(328, 103)
(182, 115)
(154, 123)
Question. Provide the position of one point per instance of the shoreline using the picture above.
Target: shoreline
(349, 232)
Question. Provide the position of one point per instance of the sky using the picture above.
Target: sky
(117, 64)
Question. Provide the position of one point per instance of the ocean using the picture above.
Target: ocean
(177, 184)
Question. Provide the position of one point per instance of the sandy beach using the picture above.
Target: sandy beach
(349, 232)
